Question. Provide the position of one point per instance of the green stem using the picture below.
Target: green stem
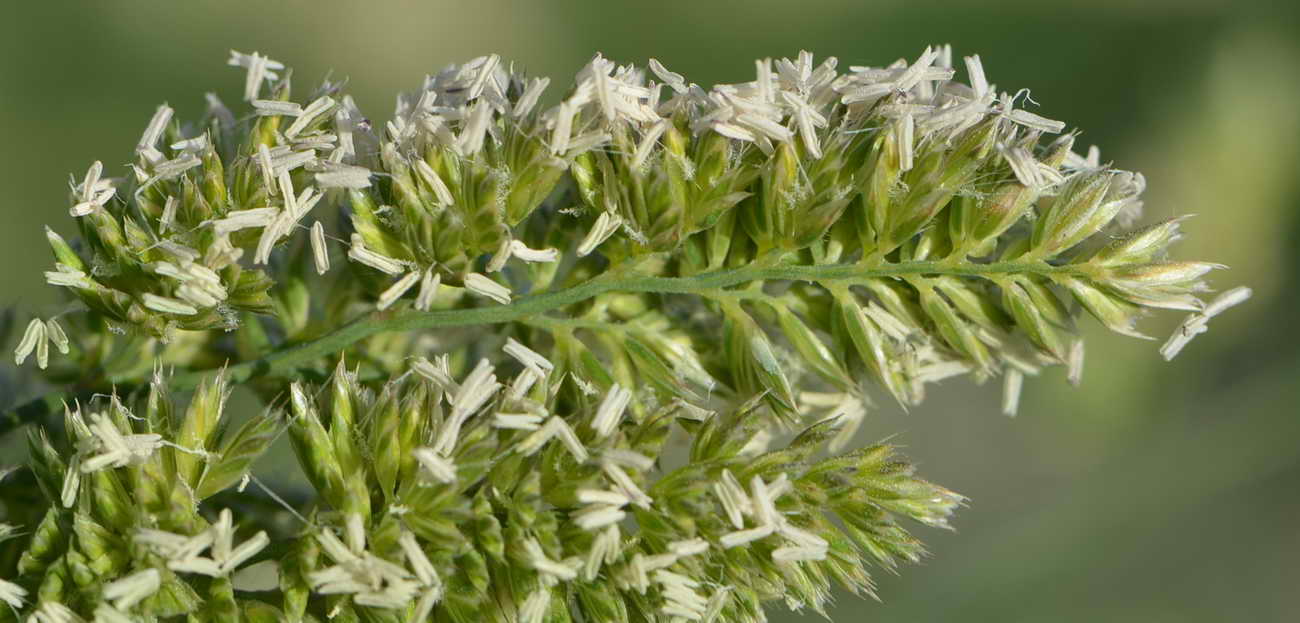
(289, 359)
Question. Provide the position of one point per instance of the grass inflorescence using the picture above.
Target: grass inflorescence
(602, 360)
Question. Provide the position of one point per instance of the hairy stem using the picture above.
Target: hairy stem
(286, 360)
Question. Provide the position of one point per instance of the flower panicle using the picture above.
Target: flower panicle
(459, 483)
(743, 266)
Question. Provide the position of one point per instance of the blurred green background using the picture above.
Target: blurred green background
(1158, 492)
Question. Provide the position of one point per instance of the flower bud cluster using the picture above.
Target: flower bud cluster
(514, 499)
(127, 533)
(805, 164)
(486, 494)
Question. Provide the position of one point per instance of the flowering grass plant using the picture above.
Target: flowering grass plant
(602, 360)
